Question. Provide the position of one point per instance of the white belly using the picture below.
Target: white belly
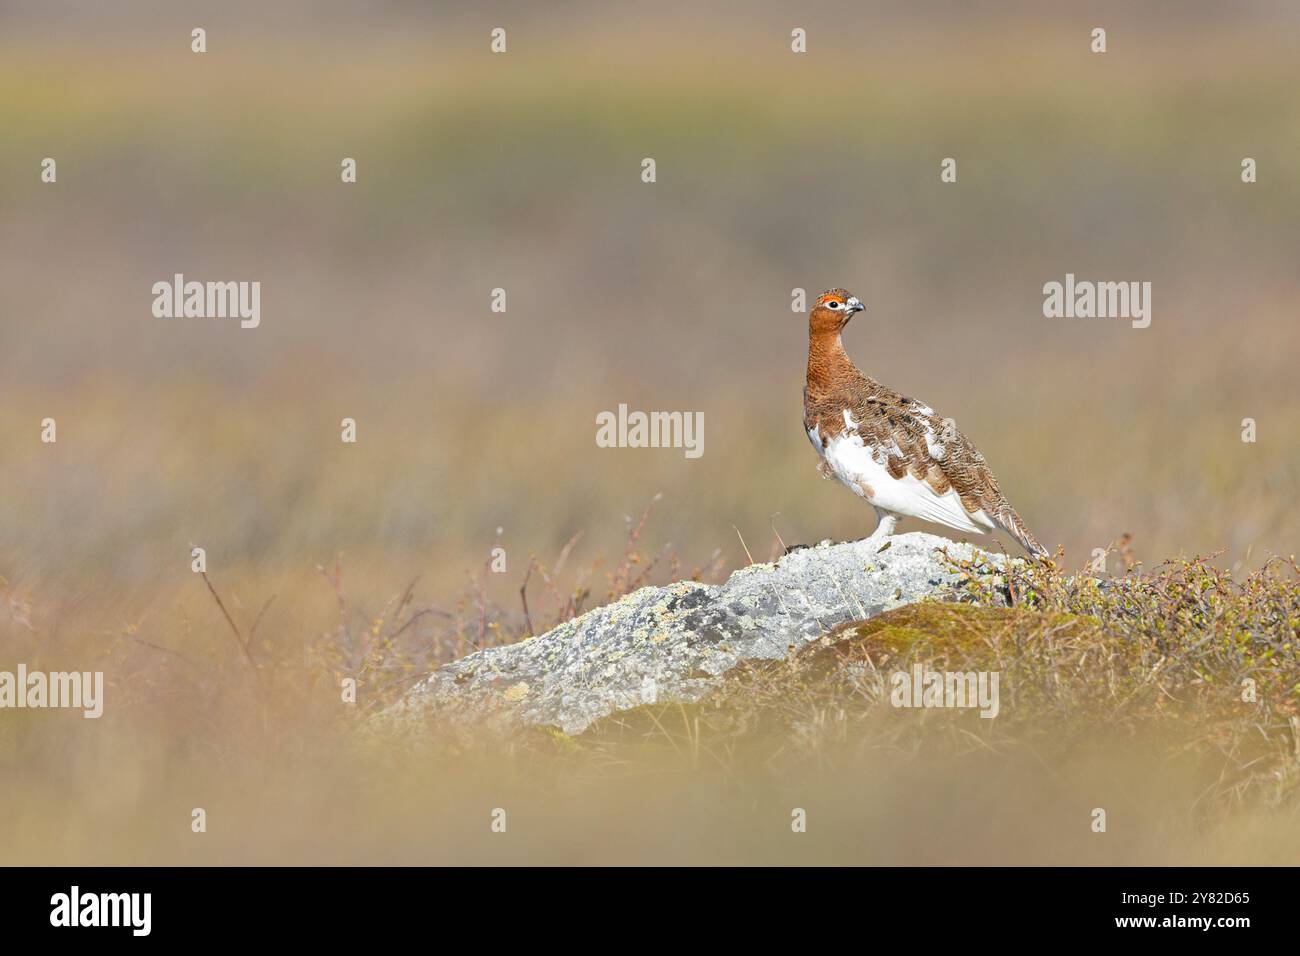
(865, 474)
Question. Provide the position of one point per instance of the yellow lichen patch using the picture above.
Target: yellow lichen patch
(516, 692)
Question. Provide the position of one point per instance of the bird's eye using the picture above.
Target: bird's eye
(833, 304)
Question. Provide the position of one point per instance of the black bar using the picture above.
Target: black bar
(331, 906)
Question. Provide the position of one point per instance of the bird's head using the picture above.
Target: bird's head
(832, 311)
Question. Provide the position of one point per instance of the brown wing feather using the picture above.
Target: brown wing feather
(916, 441)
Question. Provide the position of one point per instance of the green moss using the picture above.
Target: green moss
(952, 629)
(561, 741)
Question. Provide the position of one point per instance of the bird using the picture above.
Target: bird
(895, 452)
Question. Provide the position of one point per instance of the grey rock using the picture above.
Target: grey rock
(674, 643)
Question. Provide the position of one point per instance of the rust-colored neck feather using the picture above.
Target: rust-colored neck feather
(829, 366)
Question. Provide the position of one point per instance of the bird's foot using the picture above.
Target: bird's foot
(879, 539)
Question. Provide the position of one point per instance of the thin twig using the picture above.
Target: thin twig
(243, 646)
(258, 620)
(523, 595)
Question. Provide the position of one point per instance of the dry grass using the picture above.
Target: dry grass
(1122, 693)
(1160, 662)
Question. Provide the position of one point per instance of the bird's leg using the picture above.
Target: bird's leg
(885, 524)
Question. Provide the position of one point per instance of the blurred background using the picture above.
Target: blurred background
(522, 171)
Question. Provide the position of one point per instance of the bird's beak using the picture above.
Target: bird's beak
(854, 304)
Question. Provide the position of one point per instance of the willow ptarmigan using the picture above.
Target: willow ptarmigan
(894, 451)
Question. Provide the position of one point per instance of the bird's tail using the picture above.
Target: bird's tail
(1011, 522)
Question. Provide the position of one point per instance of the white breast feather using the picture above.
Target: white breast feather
(856, 465)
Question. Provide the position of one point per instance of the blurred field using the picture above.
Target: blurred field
(522, 171)
(1124, 697)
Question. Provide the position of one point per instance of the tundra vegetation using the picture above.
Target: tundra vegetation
(1167, 697)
